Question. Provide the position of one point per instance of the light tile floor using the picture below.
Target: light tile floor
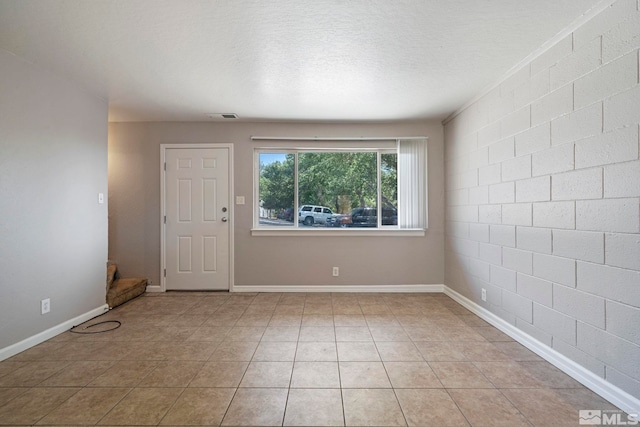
(271, 359)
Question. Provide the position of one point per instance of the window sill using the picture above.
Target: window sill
(396, 232)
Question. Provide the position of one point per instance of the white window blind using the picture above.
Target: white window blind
(412, 183)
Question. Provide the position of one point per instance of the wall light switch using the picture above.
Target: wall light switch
(239, 200)
(101, 198)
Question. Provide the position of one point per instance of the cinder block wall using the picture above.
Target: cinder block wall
(543, 197)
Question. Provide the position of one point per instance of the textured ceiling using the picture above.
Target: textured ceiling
(354, 60)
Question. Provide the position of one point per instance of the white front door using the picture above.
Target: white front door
(197, 219)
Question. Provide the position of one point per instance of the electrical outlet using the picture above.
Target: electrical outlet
(484, 294)
(336, 271)
(45, 306)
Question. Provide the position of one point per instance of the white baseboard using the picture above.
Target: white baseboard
(41, 337)
(341, 288)
(610, 392)
(328, 288)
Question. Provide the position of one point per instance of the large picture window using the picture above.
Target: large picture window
(336, 188)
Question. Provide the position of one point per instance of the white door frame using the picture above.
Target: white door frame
(163, 212)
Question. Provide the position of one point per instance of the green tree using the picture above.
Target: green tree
(361, 178)
(314, 178)
(389, 179)
(330, 179)
(277, 184)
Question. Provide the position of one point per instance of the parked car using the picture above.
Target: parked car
(339, 220)
(286, 214)
(364, 217)
(368, 217)
(311, 214)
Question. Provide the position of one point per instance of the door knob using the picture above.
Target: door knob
(224, 219)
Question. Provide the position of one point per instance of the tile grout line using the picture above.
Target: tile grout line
(516, 407)
(293, 367)
(333, 320)
(243, 374)
(446, 390)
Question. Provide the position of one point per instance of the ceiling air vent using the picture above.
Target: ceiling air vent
(222, 116)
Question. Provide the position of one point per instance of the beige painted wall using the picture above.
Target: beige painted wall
(134, 209)
(53, 232)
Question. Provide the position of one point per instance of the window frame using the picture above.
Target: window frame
(295, 229)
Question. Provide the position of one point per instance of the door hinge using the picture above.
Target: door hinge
(165, 166)
(165, 272)
(165, 219)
